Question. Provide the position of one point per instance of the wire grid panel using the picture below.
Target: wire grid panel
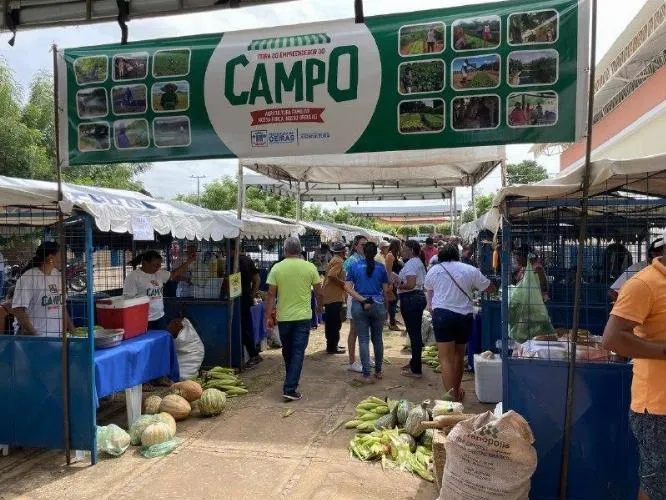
(624, 221)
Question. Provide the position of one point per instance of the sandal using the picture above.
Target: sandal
(379, 375)
(410, 374)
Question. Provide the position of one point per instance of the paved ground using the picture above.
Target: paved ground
(250, 451)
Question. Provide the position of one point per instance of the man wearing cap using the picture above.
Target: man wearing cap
(656, 249)
(334, 297)
(429, 249)
(636, 330)
(383, 250)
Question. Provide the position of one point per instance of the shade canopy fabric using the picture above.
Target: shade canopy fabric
(113, 210)
(257, 226)
(633, 178)
(420, 168)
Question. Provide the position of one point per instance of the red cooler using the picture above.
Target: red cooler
(120, 312)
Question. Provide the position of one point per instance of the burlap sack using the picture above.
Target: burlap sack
(489, 458)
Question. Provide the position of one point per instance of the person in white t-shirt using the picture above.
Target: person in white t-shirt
(148, 280)
(412, 302)
(450, 285)
(38, 298)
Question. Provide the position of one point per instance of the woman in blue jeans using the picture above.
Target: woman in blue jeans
(412, 302)
(370, 292)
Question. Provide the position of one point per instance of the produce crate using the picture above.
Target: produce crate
(439, 456)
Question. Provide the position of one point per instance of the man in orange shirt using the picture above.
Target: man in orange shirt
(637, 329)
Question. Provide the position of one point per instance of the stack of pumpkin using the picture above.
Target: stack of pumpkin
(155, 430)
(399, 433)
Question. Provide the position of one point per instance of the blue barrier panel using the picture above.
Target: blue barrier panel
(210, 319)
(31, 392)
(604, 459)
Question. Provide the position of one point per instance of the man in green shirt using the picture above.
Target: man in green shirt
(291, 281)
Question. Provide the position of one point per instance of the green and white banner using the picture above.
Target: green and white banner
(501, 73)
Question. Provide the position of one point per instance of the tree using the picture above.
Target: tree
(525, 172)
(28, 142)
(408, 230)
(426, 228)
(483, 202)
(444, 228)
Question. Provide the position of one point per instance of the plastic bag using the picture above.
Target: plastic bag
(189, 351)
(112, 440)
(427, 331)
(161, 449)
(528, 316)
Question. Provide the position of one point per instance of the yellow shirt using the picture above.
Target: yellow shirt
(294, 278)
(332, 291)
(643, 299)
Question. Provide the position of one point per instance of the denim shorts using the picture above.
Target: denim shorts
(650, 432)
(450, 326)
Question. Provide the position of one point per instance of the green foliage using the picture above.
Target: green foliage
(28, 142)
(222, 195)
(426, 76)
(426, 228)
(482, 80)
(483, 202)
(408, 230)
(172, 62)
(444, 228)
(525, 172)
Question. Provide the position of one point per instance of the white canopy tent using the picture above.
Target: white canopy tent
(634, 178)
(394, 175)
(32, 202)
(259, 226)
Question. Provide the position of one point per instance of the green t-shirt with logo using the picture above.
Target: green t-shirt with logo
(294, 278)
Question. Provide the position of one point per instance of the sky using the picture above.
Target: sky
(31, 54)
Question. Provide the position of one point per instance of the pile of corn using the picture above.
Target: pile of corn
(223, 379)
(387, 446)
(430, 357)
(367, 413)
(378, 440)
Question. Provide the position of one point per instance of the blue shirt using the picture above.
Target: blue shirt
(351, 260)
(368, 286)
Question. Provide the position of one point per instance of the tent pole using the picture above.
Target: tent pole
(474, 201)
(240, 201)
(571, 376)
(63, 266)
(299, 203)
(503, 172)
(455, 211)
(452, 211)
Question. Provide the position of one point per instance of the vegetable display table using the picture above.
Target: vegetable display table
(133, 363)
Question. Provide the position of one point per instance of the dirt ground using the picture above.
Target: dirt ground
(250, 451)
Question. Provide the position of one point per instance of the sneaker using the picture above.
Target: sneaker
(292, 396)
(356, 366)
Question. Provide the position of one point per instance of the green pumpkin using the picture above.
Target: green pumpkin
(404, 407)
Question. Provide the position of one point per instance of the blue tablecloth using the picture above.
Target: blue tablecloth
(135, 361)
(259, 332)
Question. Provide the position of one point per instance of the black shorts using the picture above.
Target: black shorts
(449, 326)
(650, 432)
